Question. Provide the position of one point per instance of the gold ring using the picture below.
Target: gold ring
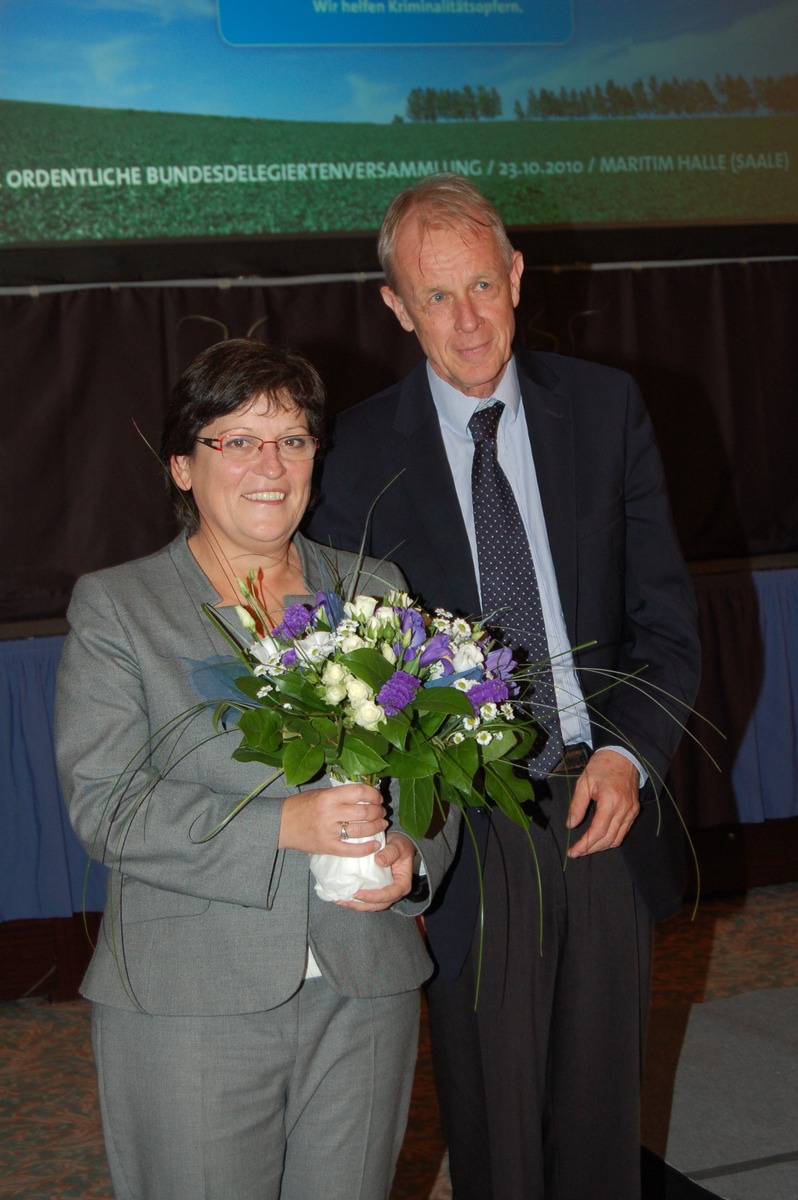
(343, 835)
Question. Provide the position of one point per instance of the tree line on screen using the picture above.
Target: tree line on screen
(453, 104)
(727, 95)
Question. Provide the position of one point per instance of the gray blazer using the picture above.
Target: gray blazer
(223, 927)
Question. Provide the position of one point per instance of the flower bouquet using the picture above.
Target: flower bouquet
(365, 689)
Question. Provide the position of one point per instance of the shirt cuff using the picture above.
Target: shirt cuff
(642, 775)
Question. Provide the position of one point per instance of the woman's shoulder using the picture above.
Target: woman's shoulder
(149, 574)
(329, 567)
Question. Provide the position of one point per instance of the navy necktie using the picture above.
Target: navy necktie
(509, 586)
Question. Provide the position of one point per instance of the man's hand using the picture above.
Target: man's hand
(612, 781)
(398, 854)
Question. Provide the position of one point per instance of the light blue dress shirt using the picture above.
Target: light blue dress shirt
(515, 454)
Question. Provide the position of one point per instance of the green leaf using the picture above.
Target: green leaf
(261, 730)
(301, 761)
(417, 760)
(328, 731)
(443, 699)
(416, 805)
(526, 736)
(368, 737)
(508, 791)
(502, 747)
(300, 690)
(358, 756)
(250, 685)
(459, 764)
(368, 665)
(452, 796)
(244, 754)
(395, 730)
(430, 722)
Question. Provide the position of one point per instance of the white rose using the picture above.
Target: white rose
(357, 690)
(361, 608)
(467, 656)
(334, 693)
(383, 623)
(368, 714)
(334, 673)
(351, 642)
(387, 652)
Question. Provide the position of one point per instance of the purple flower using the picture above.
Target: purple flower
(397, 692)
(411, 622)
(331, 604)
(500, 663)
(289, 658)
(294, 623)
(437, 649)
(490, 691)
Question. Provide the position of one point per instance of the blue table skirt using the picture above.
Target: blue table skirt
(749, 691)
(43, 868)
(749, 633)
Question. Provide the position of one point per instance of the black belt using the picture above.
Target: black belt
(573, 761)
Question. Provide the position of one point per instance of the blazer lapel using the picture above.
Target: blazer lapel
(428, 484)
(550, 422)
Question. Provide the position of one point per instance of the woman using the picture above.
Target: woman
(251, 1040)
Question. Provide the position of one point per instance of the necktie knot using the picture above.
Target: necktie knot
(484, 424)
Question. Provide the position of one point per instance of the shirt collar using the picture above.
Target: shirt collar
(455, 409)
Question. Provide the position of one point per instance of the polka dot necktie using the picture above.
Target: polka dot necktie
(509, 586)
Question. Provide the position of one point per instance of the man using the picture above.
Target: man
(539, 1084)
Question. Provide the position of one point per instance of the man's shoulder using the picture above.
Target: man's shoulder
(552, 369)
(381, 407)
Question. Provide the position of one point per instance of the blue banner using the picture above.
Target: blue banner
(395, 22)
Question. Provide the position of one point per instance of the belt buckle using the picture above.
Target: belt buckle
(574, 760)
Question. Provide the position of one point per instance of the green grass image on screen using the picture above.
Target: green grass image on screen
(79, 174)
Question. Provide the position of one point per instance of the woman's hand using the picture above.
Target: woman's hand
(312, 821)
(398, 854)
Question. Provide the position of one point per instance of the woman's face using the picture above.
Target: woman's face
(249, 509)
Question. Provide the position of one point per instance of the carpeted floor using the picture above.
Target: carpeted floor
(50, 1142)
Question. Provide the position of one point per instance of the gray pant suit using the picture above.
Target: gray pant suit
(223, 1073)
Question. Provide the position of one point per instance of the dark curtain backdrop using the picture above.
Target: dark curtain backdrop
(713, 346)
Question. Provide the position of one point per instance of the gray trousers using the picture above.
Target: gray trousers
(307, 1101)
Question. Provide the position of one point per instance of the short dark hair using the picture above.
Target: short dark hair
(224, 378)
(444, 199)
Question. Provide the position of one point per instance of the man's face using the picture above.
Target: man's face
(455, 293)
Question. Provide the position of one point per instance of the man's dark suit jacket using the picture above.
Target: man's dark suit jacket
(622, 581)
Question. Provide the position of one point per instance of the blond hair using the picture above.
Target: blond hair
(445, 199)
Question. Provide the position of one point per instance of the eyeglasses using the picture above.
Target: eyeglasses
(243, 448)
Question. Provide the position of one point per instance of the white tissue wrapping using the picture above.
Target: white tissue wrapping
(338, 878)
